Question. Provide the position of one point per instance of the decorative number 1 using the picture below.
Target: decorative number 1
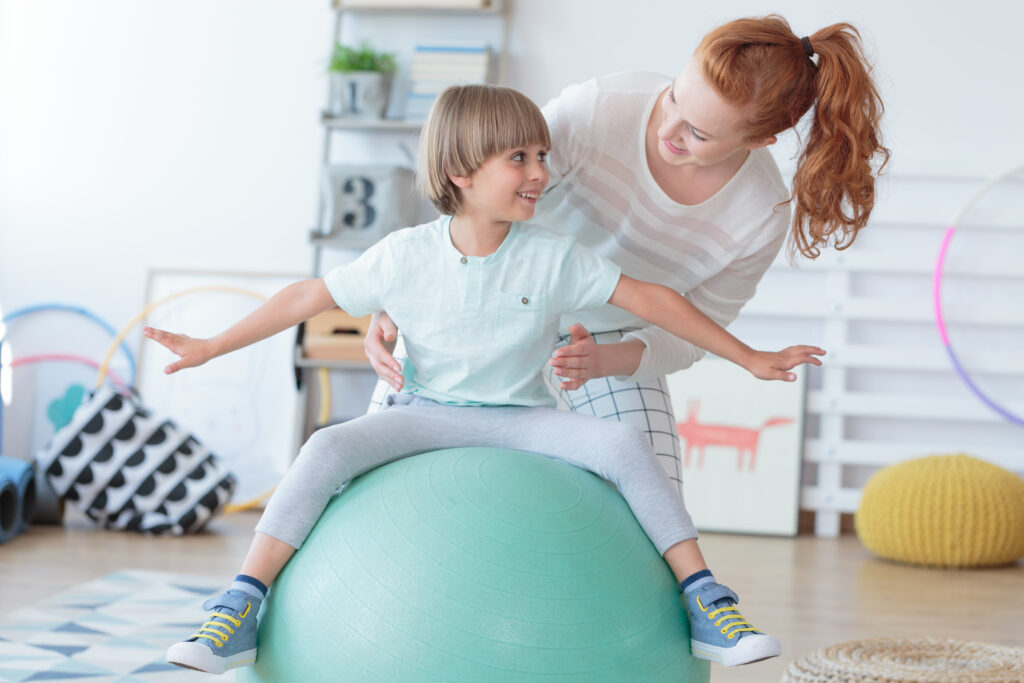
(362, 215)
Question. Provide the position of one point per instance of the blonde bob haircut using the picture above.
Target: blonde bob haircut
(468, 125)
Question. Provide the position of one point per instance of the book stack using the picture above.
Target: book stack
(436, 66)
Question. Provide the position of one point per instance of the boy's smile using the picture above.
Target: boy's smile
(506, 187)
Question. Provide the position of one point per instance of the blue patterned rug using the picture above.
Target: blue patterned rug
(113, 629)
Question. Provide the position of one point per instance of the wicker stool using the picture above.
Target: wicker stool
(892, 660)
(943, 511)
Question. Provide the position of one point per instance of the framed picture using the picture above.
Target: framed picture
(244, 406)
(740, 440)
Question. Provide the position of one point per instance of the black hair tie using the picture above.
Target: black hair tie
(806, 42)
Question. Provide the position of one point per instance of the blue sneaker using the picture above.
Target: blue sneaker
(719, 633)
(227, 639)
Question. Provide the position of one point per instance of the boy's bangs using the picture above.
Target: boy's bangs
(515, 122)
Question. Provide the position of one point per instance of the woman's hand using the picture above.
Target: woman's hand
(776, 364)
(578, 360)
(379, 344)
(191, 352)
(584, 359)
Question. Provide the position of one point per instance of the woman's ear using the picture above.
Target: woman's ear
(758, 144)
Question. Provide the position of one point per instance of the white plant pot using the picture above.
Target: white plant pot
(359, 94)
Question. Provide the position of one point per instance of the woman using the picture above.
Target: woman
(672, 181)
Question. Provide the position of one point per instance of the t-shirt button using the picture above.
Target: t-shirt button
(525, 300)
(463, 260)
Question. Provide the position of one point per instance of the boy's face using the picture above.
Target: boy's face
(505, 188)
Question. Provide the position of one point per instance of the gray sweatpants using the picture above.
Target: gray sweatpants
(615, 451)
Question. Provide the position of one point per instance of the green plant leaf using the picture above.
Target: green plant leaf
(362, 58)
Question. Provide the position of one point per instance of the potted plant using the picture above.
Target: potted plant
(360, 81)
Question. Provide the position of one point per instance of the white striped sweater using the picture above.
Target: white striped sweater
(602, 192)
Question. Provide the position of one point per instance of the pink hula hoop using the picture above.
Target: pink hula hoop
(67, 358)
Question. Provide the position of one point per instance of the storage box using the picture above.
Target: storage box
(335, 335)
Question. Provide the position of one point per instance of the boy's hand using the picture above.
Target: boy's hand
(776, 364)
(193, 352)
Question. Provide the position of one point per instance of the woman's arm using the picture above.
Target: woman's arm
(651, 351)
(583, 358)
(672, 312)
(720, 297)
(290, 306)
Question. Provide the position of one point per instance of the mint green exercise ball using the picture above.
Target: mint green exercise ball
(476, 564)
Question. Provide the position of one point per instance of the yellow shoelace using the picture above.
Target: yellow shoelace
(737, 624)
(214, 627)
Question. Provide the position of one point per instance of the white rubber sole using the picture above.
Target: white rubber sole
(749, 649)
(195, 655)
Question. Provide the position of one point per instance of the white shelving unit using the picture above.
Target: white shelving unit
(392, 28)
(397, 27)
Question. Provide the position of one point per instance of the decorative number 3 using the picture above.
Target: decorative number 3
(362, 214)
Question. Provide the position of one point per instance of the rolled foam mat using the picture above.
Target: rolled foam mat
(9, 521)
(22, 475)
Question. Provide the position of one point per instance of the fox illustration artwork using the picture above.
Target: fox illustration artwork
(699, 435)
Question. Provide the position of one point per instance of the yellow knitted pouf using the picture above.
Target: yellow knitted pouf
(943, 511)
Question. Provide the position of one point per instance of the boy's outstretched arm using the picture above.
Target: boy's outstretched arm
(290, 306)
(671, 311)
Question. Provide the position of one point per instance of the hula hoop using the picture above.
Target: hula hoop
(38, 308)
(937, 294)
(68, 358)
(141, 315)
(67, 308)
(325, 397)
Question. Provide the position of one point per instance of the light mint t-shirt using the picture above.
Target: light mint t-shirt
(478, 330)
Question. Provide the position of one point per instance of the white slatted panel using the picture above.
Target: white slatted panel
(888, 391)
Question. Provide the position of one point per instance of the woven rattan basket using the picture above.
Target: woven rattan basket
(923, 660)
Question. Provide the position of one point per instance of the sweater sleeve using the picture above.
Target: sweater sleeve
(720, 297)
(569, 117)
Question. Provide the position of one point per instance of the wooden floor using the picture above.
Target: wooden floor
(808, 592)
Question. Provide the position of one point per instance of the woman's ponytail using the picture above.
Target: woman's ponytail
(761, 65)
(834, 183)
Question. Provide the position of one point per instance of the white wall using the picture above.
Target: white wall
(949, 72)
(149, 134)
(137, 134)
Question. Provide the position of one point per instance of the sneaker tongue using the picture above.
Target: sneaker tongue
(718, 595)
(232, 602)
(724, 602)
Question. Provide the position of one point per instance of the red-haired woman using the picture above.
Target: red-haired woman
(671, 179)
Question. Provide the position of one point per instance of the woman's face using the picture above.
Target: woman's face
(697, 126)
